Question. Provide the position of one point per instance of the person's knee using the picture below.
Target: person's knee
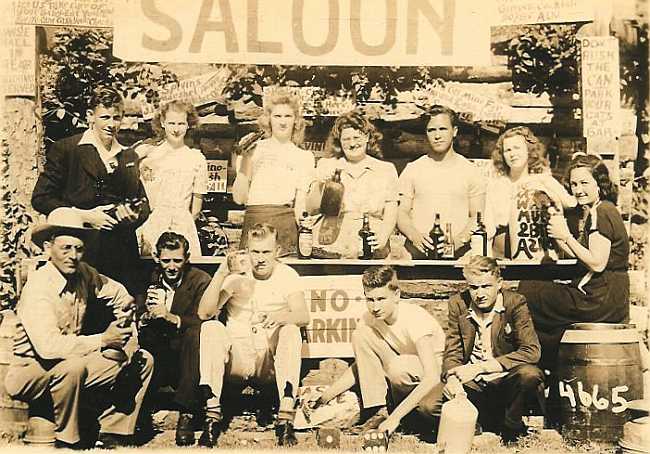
(73, 369)
(191, 337)
(361, 334)
(529, 376)
(290, 333)
(213, 332)
(398, 373)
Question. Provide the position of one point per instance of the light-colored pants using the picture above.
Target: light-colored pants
(376, 362)
(28, 380)
(225, 355)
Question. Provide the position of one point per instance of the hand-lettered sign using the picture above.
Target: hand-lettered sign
(332, 32)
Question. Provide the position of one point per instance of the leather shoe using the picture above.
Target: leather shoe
(511, 436)
(59, 444)
(185, 430)
(285, 434)
(212, 428)
(112, 441)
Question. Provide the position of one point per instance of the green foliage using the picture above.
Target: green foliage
(544, 58)
(15, 222)
(79, 61)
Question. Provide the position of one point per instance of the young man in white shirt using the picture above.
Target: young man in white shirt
(398, 348)
(442, 181)
(261, 341)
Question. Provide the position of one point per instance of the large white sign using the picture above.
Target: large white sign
(601, 92)
(310, 32)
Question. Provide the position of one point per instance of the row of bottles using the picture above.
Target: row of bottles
(441, 240)
(306, 239)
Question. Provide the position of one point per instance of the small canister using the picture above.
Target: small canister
(328, 437)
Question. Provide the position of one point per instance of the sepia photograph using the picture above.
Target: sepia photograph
(311, 225)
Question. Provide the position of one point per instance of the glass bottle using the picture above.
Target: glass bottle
(449, 252)
(437, 237)
(305, 238)
(364, 234)
(479, 240)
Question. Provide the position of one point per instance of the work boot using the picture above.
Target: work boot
(185, 430)
(212, 428)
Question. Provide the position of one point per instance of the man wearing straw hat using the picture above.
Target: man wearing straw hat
(57, 355)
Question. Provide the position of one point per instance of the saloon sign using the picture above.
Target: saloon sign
(310, 32)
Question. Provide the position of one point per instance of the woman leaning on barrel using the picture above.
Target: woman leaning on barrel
(274, 173)
(597, 238)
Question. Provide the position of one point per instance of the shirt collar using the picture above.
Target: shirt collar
(90, 138)
(368, 163)
(57, 280)
(498, 308)
(170, 287)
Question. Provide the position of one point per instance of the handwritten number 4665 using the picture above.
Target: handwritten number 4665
(600, 403)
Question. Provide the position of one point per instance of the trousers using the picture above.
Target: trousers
(124, 385)
(381, 369)
(236, 358)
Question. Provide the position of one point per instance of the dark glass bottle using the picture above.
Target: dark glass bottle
(437, 237)
(478, 240)
(365, 234)
(305, 239)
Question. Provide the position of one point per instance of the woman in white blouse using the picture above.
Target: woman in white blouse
(274, 174)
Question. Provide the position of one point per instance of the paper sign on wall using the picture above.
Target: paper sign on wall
(600, 87)
(217, 175)
(76, 13)
(18, 77)
(197, 90)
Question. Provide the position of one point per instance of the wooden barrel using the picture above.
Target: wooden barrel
(13, 413)
(598, 374)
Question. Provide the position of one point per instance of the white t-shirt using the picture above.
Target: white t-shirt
(268, 295)
(279, 170)
(411, 325)
(440, 187)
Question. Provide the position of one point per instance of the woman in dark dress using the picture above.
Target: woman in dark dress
(598, 239)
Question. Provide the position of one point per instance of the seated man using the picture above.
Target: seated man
(56, 358)
(261, 340)
(171, 327)
(395, 341)
(442, 181)
(491, 351)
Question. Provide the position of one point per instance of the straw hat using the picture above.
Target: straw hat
(61, 221)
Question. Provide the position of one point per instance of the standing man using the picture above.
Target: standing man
(396, 342)
(58, 357)
(261, 340)
(492, 351)
(93, 173)
(441, 181)
(172, 327)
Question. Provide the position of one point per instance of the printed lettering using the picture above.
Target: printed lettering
(204, 24)
(332, 32)
(444, 26)
(253, 42)
(175, 30)
(389, 36)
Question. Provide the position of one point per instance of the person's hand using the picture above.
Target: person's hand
(247, 144)
(99, 219)
(421, 242)
(271, 321)
(125, 214)
(310, 221)
(377, 241)
(388, 425)
(558, 228)
(466, 373)
(158, 311)
(452, 387)
(315, 400)
(116, 335)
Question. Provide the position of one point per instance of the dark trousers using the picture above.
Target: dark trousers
(176, 356)
(502, 402)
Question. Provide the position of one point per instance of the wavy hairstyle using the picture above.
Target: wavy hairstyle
(355, 120)
(106, 97)
(175, 106)
(380, 276)
(606, 188)
(537, 162)
(283, 96)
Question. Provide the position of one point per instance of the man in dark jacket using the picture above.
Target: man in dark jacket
(95, 175)
(492, 350)
(171, 328)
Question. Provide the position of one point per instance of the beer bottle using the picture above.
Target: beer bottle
(478, 241)
(437, 237)
(365, 234)
(449, 252)
(305, 239)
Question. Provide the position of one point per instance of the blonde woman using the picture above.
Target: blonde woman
(273, 175)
